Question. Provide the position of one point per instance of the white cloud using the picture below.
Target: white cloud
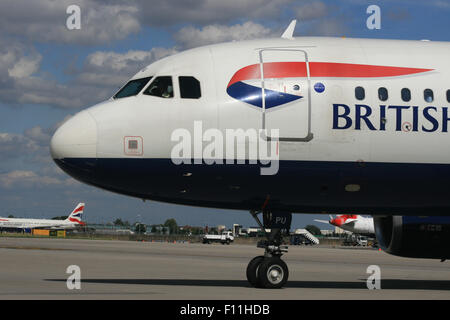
(189, 37)
(38, 135)
(107, 71)
(103, 22)
(103, 72)
(26, 160)
(206, 12)
(25, 66)
(8, 179)
(12, 145)
(29, 179)
(45, 21)
(123, 61)
(19, 79)
(17, 60)
(32, 146)
(23, 81)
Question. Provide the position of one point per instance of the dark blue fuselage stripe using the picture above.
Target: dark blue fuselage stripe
(299, 186)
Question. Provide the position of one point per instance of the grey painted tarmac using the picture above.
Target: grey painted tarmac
(36, 269)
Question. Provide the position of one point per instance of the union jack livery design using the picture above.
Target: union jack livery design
(343, 218)
(239, 89)
(353, 223)
(77, 214)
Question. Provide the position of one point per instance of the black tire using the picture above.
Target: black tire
(252, 271)
(273, 273)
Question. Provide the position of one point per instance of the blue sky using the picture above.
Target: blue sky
(48, 73)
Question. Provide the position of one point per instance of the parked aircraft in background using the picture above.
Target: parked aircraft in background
(363, 129)
(73, 221)
(353, 223)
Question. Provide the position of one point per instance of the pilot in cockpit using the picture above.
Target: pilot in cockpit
(168, 92)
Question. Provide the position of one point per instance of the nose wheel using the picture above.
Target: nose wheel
(269, 271)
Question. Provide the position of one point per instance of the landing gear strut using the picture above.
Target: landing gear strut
(269, 271)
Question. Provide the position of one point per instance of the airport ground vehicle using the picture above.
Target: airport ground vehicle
(361, 241)
(356, 240)
(225, 238)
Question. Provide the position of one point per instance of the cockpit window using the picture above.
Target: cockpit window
(161, 87)
(189, 88)
(132, 88)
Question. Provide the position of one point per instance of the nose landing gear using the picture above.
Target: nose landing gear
(269, 271)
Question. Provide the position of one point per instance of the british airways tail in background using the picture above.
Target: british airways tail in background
(352, 223)
(74, 220)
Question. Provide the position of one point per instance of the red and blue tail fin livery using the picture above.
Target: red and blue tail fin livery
(77, 214)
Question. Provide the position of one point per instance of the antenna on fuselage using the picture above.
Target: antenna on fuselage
(289, 32)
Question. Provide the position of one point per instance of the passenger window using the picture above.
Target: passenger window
(448, 95)
(132, 88)
(189, 88)
(382, 94)
(161, 87)
(428, 95)
(406, 94)
(360, 94)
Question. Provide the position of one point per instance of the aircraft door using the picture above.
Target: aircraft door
(286, 95)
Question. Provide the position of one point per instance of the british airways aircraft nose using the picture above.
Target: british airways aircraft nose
(76, 138)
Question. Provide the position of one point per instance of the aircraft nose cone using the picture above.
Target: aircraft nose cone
(76, 138)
